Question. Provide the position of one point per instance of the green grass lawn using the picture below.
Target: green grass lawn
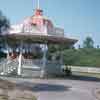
(87, 74)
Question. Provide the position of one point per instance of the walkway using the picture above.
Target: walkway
(59, 89)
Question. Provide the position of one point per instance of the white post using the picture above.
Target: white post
(20, 64)
(61, 58)
(20, 61)
(44, 61)
(7, 47)
(8, 55)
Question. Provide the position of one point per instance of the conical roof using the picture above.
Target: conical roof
(38, 28)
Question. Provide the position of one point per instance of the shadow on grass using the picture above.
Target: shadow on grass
(62, 77)
(84, 78)
(42, 87)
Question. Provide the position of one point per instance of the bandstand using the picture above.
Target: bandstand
(36, 29)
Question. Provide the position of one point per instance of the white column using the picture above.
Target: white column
(7, 47)
(20, 61)
(44, 60)
(8, 56)
(20, 64)
(61, 58)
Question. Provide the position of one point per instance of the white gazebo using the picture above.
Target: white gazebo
(35, 29)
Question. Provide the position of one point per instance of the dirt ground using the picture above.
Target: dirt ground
(97, 93)
(10, 91)
(75, 88)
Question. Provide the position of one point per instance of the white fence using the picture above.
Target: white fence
(85, 69)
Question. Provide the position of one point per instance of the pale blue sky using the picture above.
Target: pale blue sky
(79, 18)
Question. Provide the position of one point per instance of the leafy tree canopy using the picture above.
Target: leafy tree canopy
(88, 43)
(4, 23)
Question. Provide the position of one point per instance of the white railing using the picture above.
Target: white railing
(8, 67)
(31, 62)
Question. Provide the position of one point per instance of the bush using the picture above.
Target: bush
(82, 57)
(67, 71)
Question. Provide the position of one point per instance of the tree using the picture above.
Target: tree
(98, 46)
(54, 50)
(4, 26)
(88, 43)
(4, 23)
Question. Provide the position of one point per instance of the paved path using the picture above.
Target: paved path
(60, 89)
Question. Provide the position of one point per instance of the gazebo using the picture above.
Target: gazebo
(35, 29)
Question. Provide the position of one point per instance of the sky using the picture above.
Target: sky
(79, 18)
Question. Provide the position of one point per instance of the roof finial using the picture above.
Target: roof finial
(38, 5)
(38, 11)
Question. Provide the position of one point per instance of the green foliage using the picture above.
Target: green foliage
(67, 71)
(70, 56)
(4, 26)
(4, 23)
(82, 57)
(2, 55)
(88, 43)
(86, 56)
(55, 49)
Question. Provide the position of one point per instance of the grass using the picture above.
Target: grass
(25, 98)
(97, 75)
(3, 97)
(7, 98)
(34, 98)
